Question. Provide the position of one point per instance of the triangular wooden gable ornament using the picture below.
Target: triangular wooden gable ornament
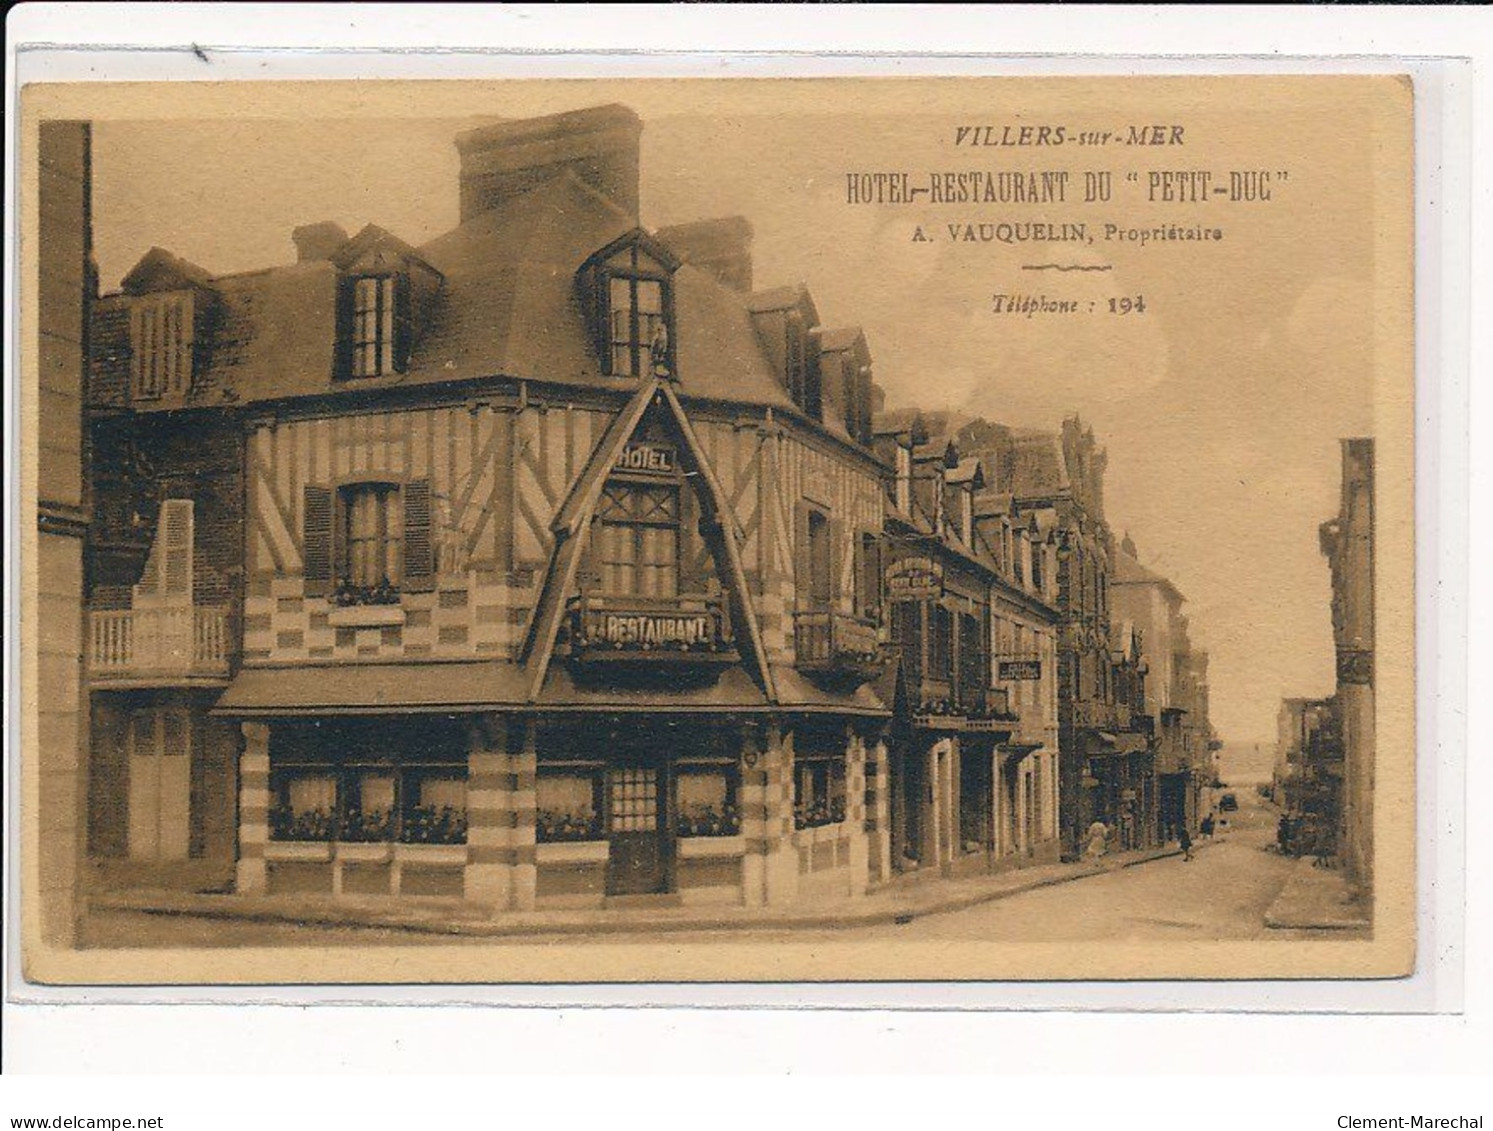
(574, 519)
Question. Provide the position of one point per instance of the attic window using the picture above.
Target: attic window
(161, 341)
(631, 298)
(376, 328)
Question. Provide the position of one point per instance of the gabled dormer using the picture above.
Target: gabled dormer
(896, 435)
(931, 462)
(385, 291)
(785, 319)
(627, 289)
(961, 483)
(845, 365)
(170, 302)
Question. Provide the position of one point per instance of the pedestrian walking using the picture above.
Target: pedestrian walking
(1184, 838)
(1206, 828)
(1098, 836)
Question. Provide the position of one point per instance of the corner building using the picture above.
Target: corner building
(533, 566)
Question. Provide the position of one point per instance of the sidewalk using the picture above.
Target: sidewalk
(1316, 898)
(899, 902)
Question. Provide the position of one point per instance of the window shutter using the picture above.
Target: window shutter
(317, 518)
(176, 535)
(343, 330)
(404, 336)
(837, 536)
(802, 570)
(419, 560)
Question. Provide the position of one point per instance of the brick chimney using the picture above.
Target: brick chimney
(599, 144)
(318, 241)
(722, 247)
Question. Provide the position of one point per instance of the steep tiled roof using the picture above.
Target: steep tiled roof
(1128, 571)
(508, 306)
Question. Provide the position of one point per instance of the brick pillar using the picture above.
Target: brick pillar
(855, 812)
(523, 769)
(878, 812)
(500, 870)
(253, 809)
(753, 804)
(770, 867)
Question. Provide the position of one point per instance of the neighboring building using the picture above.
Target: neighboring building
(1176, 689)
(968, 592)
(65, 288)
(1307, 779)
(535, 565)
(1348, 543)
(1106, 766)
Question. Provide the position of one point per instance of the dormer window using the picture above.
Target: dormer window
(639, 328)
(629, 291)
(376, 324)
(162, 339)
(904, 479)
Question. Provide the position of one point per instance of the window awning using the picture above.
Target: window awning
(371, 689)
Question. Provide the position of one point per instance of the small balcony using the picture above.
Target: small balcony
(166, 646)
(837, 649)
(972, 711)
(688, 631)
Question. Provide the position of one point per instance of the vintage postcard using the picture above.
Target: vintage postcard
(718, 530)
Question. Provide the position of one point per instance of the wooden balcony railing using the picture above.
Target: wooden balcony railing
(168, 645)
(836, 647)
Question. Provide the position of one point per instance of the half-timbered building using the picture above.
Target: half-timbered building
(534, 566)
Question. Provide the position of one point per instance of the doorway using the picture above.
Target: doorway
(160, 785)
(637, 808)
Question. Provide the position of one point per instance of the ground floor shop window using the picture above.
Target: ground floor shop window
(818, 790)
(366, 786)
(569, 802)
(707, 799)
(369, 804)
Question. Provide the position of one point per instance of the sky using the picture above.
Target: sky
(1221, 406)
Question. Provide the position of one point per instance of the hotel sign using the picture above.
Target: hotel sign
(650, 459)
(913, 579)
(1020, 669)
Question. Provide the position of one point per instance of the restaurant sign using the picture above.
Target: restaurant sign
(650, 459)
(630, 630)
(1020, 669)
(910, 579)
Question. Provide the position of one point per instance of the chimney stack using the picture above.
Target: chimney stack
(318, 241)
(722, 247)
(599, 144)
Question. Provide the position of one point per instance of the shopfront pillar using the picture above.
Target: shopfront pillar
(770, 863)
(878, 811)
(855, 812)
(500, 870)
(252, 877)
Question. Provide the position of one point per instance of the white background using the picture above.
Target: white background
(1211, 1056)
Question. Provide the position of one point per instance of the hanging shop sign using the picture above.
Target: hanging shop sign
(649, 459)
(1020, 669)
(912, 579)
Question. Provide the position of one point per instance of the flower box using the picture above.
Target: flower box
(431, 853)
(316, 851)
(707, 847)
(365, 616)
(573, 852)
(378, 852)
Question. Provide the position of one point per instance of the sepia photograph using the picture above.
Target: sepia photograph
(718, 530)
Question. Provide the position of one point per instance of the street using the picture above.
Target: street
(1221, 894)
